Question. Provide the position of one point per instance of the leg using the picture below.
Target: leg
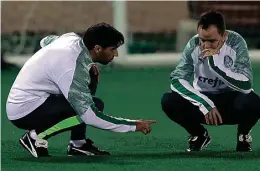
(183, 112)
(241, 109)
(248, 105)
(238, 108)
(54, 110)
(79, 132)
(79, 145)
(249, 114)
(189, 117)
(53, 116)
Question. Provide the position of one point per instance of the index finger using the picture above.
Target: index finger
(219, 117)
(211, 122)
(207, 118)
(151, 121)
(215, 119)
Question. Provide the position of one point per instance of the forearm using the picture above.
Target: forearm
(80, 98)
(236, 81)
(100, 120)
(184, 88)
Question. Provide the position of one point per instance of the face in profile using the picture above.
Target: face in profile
(106, 55)
(210, 38)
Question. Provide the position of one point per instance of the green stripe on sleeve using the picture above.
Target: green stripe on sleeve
(114, 120)
(244, 85)
(179, 87)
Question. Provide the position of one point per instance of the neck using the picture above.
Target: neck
(93, 56)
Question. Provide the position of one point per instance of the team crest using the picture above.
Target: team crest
(228, 62)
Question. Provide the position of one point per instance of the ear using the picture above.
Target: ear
(97, 49)
(224, 36)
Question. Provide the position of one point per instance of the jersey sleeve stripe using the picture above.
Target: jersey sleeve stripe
(112, 119)
(235, 80)
(100, 120)
(183, 88)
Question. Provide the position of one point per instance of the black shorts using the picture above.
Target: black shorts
(234, 107)
(54, 115)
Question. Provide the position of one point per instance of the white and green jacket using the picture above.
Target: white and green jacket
(60, 67)
(229, 70)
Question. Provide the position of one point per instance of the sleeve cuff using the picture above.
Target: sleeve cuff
(133, 128)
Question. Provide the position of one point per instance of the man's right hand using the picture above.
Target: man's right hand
(213, 117)
(144, 126)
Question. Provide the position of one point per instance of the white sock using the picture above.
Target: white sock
(78, 143)
(33, 135)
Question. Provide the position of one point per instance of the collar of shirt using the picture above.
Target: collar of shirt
(87, 54)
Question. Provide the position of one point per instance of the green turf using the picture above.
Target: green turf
(133, 94)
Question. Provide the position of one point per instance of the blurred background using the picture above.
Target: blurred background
(149, 27)
(156, 33)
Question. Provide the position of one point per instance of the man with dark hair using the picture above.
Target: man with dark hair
(54, 92)
(222, 87)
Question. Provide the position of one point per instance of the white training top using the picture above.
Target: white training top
(60, 67)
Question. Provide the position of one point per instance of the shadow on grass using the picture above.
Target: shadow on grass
(136, 158)
(203, 154)
(128, 157)
(77, 160)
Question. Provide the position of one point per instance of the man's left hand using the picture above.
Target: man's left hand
(94, 76)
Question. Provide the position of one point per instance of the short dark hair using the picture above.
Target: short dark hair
(104, 35)
(212, 18)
